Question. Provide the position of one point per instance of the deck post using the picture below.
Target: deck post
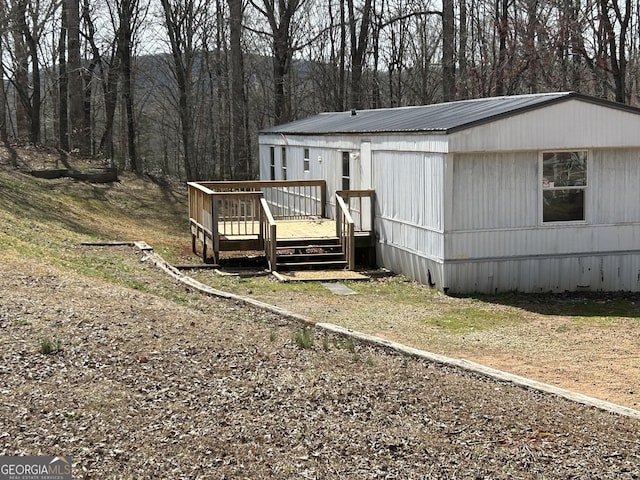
(260, 221)
(214, 229)
(323, 198)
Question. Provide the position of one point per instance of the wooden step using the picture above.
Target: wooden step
(315, 242)
(324, 265)
(296, 257)
(309, 249)
(310, 254)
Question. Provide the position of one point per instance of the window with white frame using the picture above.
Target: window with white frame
(564, 184)
(305, 161)
(272, 163)
(284, 163)
(346, 171)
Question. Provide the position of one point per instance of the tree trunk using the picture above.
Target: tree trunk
(463, 91)
(183, 54)
(63, 88)
(126, 18)
(448, 47)
(35, 102)
(281, 63)
(74, 71)
(617, 50)
(3, 99)
(533, 58)
(502, 14)
(21, 69)
(359, 43)
(240, 150)
(223, 147)
(343, 59)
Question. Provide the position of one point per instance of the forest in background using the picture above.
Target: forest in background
(181, 87)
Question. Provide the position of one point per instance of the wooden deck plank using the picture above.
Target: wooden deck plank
(309, 228)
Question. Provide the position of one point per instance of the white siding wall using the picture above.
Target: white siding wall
(613, 177)
(295, 167)
(409, 193)
(496, 204)
(497, 242)
(494, 190)
(566, 125)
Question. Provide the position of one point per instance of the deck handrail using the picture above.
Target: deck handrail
(268, 231)
(213, 214)
(288, 199)
(258, 184)
(201, 217)
(355, 201)
(345, 230)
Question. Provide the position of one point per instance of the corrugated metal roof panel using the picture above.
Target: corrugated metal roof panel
(442, 117)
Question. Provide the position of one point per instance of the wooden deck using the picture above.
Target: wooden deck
(304, 229)
(286, 219)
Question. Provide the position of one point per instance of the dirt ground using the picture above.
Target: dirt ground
(155, 381)
(562, 339)
(599, 361)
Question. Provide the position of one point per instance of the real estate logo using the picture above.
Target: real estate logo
(35, 468)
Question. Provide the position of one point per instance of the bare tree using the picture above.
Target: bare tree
(239, 109)
(448, 51)
(182, 19)
(359, 41)
(616, 35)
(462, 51)
(280, 14)
(3, 98)
(63, 88)
(129, 14)
(78, 129)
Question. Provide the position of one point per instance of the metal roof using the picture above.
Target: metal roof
(438, 118)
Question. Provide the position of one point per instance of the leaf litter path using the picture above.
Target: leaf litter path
(156, 381)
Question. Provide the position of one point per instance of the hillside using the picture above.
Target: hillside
(71, 212)
(105, 359)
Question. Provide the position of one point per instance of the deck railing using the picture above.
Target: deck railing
(345, 230)
(359, 203)
(201, 217)
(237, 213)
(224, 215)
(288, 199)
(228, 213)
(269, 233)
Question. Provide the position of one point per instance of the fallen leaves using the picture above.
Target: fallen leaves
(149, 388)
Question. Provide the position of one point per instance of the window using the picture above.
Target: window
(305, 162)
(564, 182)
(272, 164)
(284, 163)
(345, 171)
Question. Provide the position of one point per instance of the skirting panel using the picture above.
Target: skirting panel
(411, 265)
(610, 273)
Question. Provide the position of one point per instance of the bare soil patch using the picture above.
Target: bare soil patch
(154, 381)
